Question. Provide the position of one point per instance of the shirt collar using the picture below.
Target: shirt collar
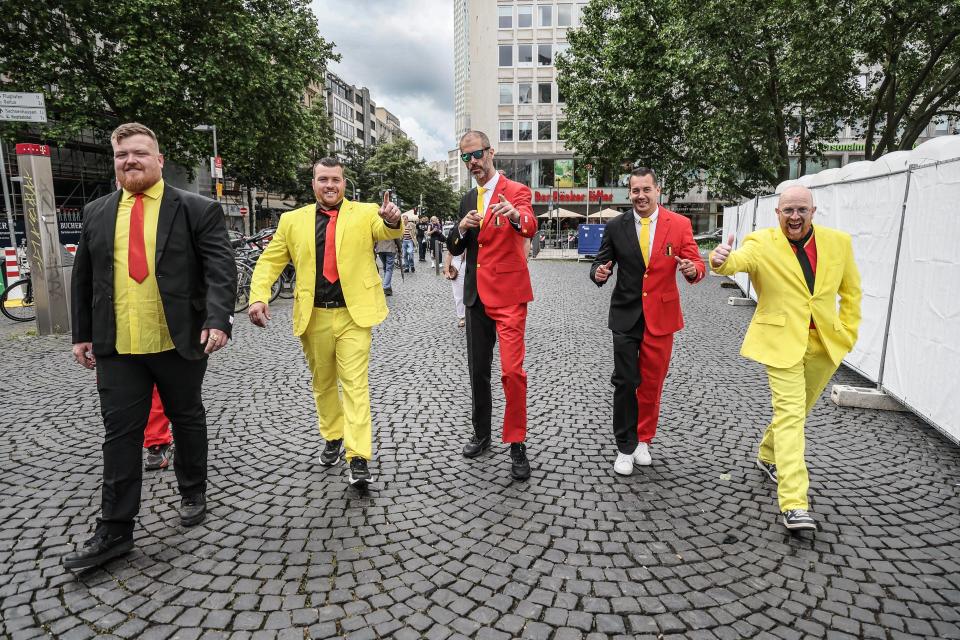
(653, 217)
(336, 207)
(154, 192)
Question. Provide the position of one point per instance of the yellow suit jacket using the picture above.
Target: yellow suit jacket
(359, 226)
(777, 336)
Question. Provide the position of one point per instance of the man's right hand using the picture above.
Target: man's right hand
(83, 354)
(603, 272)
(470, 221)
(259, 313)
(722, 252)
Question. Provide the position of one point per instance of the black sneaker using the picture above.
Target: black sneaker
(331, 452)
(97, 550)
(359, 475)
(476, 446)
(158, 457)
(770, 470)
(520, 466)
(388, 291)
(193, 509)
(798, 519)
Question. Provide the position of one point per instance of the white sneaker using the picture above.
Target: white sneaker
(624, 464)
(642, 455)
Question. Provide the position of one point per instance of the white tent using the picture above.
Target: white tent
(559, 213)
(604, 214)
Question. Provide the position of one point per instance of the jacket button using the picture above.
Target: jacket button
(478, 266)
(646, 275)
(480, 246)
(644, 294)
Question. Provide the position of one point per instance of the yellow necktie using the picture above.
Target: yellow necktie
(480, 192)
(645, 240)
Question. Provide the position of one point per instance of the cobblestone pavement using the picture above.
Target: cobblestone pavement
(444, 547)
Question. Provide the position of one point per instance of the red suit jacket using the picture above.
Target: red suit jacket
(647, 289)
(496, 265)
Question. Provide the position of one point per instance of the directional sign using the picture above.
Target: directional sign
(22, 107)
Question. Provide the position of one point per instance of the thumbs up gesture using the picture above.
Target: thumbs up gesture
(722, 252)
(389, 211)
(504, 208)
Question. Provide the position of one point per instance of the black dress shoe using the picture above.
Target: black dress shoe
(97, 550)
(193, 509)
(476, 446)
(519, 465)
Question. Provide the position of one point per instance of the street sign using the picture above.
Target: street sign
(243, 211)
(22, 107)
(216, 167)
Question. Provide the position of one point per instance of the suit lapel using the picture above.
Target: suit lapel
(820, 274)
(787, 255)
(338, 234)
(169, 206)
(630, 233)
(660, 237)
(110, 224)
(311, 234)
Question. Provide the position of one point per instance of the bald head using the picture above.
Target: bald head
(795, 212)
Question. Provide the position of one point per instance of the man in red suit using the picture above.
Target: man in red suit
(649, 243)
(496, 219)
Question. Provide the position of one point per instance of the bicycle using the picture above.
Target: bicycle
(20, 306)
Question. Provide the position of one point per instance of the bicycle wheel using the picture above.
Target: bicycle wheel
(244, 276)
(288, 282)
(17, 302)
(275, 290)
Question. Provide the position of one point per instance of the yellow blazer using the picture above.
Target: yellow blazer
(778, 333)
(359, 226)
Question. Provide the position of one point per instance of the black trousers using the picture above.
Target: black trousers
(422, 243)
(481, 338)
(626, 380)
(125, 383)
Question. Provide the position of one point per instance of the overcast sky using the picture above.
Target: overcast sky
(402, 50)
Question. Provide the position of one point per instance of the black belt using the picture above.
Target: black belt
(333, 304)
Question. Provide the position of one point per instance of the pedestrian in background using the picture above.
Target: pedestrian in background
(423, 226)
(454, 272)
(387, 250)
(409, 244)
(435, 233)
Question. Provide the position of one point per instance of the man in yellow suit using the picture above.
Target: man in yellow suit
(337, 300)
(797, 331)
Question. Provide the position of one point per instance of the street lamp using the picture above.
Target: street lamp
(356, 194)
(211, 128)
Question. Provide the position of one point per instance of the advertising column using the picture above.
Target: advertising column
(43, 239)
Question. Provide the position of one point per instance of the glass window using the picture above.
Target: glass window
(524, 55)
(564, 15)
(506, 94)
(524, 16)
(524, 130)
(545, 55)
(546, 15)
(525, 93)
(545, 93)
(506, 132)
(544, 130)
(506, 55)
(545, 173)
(505, 13)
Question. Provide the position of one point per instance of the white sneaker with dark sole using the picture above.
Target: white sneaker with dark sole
(798, 520)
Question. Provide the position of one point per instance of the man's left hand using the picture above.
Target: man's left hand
(389, 211)
(687, 267)
(214, 339)
(506, 209)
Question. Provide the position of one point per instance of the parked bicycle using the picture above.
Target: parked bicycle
(247, 252)
(17, 302)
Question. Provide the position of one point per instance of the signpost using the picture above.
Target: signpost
(17, 107)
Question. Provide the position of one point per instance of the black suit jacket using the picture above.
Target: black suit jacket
(194, 267)
(621, 245)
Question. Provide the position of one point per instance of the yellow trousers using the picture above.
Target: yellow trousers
(794, 391)
(337, 349)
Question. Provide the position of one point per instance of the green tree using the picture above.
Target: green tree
(411, 179)
(911, 52)
(356, 158)
(668, 83)
(244, 66)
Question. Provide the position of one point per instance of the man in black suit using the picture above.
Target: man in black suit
(154, 283)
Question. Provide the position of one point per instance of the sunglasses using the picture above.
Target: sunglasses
(476, 155)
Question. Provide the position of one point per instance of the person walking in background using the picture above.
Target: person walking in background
(454, 272)
(409, 244)
(331, 246)
(423, 226)
(496, 218)
(154, 285)
(799, 332)
(387, 250)
(435, 234)
(649, 244)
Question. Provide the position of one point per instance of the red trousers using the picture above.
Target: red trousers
(157, 430)
(653, 362)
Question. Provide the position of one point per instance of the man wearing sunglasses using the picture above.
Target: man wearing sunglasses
(799, 332)
(495, 220)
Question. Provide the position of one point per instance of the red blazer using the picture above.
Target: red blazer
(647, 289)
(496, 264)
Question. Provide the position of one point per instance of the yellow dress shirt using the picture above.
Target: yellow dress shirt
(141, 323)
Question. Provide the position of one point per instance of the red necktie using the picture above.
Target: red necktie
(136, 249)
(330, 247)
